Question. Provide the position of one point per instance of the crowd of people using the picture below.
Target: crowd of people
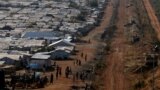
(85, 76)
(28, 80)
(33, 79)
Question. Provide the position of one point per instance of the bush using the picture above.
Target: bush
(139, 85)
(156, 5)
(94, 3)
(81, 17)
(73, 4)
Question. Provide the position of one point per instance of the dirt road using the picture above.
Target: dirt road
(115, 76)
(153, 18)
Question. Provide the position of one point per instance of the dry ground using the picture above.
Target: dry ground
(115, 76)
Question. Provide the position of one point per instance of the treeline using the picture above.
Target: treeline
(156, 5)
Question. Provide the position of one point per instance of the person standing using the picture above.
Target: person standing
(82, 54)
(51, 78)
(60, 71)
(57, 72)
(70, 70)
(80, 63)
(74, 78)
(77, 61)
(67, 72)
(2, 80)
(86, 57)
(13, 81)
(57, 75)
(89, 41)
(77, 75)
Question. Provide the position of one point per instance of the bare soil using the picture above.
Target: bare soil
(115, 76)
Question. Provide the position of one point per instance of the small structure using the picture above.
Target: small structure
(10, 59)
(62, 44)
(26, 45)
(8, 69)
(60, 54)
(40, 61)
(41, 35)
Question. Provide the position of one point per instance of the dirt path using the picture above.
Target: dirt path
(153, 18)
(105, 21)
(115, 76)
(87, 48)
(90, 49)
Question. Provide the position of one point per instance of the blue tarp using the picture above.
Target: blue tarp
(34, 66)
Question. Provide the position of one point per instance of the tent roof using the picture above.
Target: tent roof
(40, 56)
(61, 43)
(11, 56)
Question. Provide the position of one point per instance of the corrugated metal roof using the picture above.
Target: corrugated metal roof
(40, 56)
(43, 34)
(61, 43)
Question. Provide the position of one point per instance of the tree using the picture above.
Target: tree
(73, 4)
(93, 3)
(81, 17)
(7, 28)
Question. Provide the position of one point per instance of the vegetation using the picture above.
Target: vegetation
(73, 4)
(93, 3)
(32, 24)
(108, 33)
(156, 5)
(81, 17)
(139, 85)
(7, 28)
(58, 0)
